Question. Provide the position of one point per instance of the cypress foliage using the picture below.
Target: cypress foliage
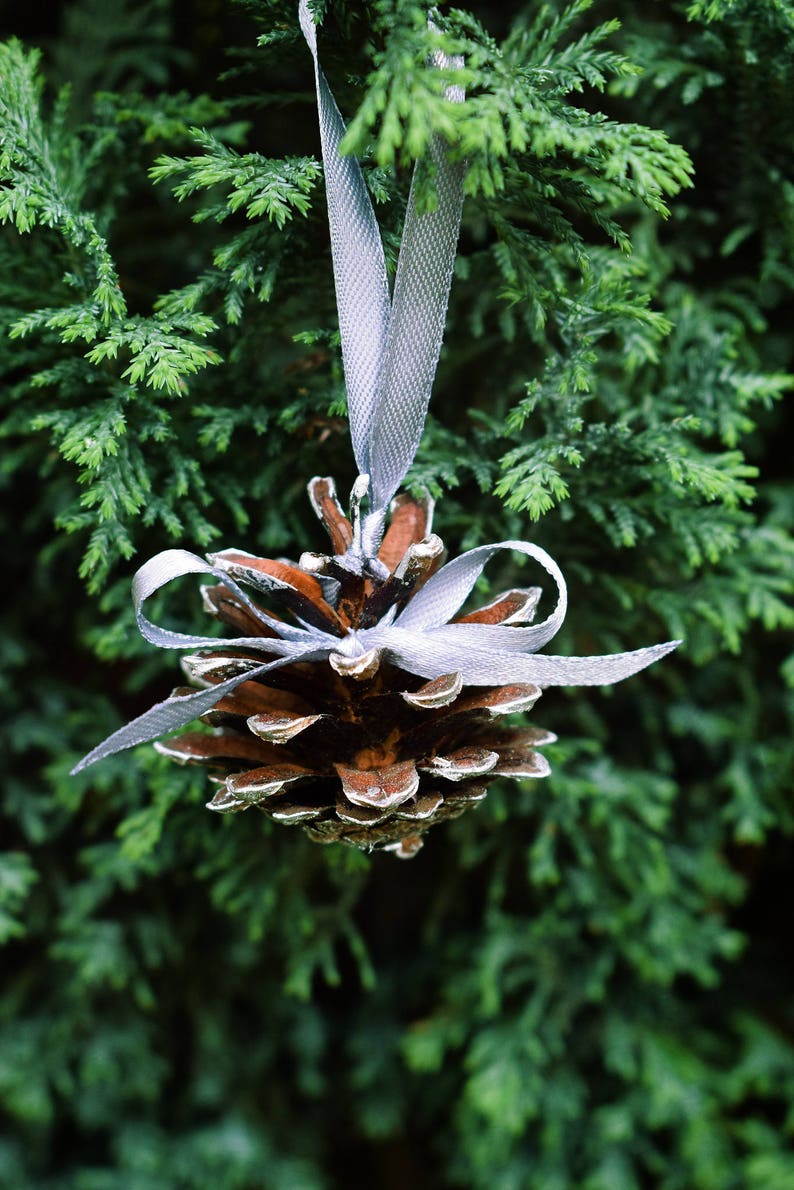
(584, 983)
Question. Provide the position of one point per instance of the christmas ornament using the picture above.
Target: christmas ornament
(366, 708)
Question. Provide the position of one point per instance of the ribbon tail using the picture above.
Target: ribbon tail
(174, 712)
(431, 654)
(544, 670)
(444, 593)
(362, 287)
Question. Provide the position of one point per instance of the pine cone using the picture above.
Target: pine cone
(354, 749)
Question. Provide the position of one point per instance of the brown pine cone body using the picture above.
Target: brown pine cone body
(355, 750)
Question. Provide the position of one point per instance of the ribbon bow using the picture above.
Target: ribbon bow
(390, 349)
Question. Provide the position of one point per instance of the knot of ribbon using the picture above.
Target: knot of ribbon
(390, 348)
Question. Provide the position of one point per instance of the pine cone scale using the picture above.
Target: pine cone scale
(512, 607)
(462, 764)
(257, 785)
(379, 788)
(218, 748)
(280, 728)
(433, 695)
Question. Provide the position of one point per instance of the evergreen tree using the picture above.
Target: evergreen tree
(583, 983)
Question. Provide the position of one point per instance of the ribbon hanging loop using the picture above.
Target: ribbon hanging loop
(390, 348)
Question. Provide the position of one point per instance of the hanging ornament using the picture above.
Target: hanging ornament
(367, 709)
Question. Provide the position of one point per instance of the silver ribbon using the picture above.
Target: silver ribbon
(390, 348)
(390, 351)
(293, 644)
(420, 640)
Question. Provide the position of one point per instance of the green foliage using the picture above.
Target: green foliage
(17, 876)
(584, 983)
(518, 126)
(271, 188)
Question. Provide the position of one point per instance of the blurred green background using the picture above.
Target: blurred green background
(587, 982)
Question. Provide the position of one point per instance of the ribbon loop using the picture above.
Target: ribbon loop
(301, 644)
(172, 564)
(444, 593)
(362, 288)
(419, 308)
(390, 349)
